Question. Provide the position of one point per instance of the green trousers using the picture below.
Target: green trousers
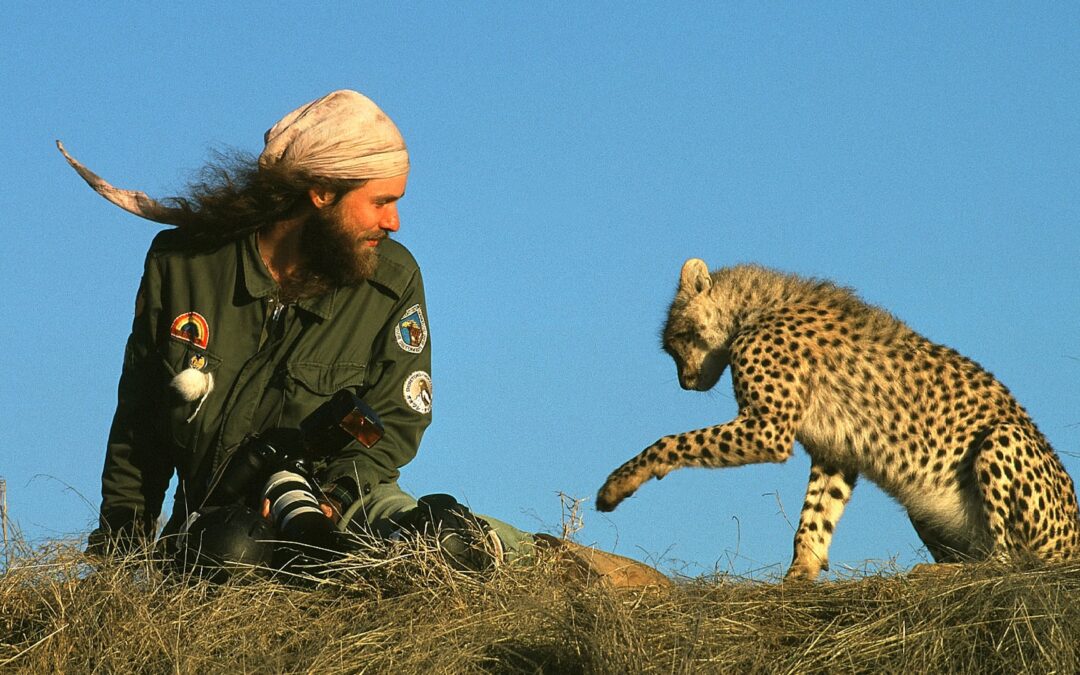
(378, 510)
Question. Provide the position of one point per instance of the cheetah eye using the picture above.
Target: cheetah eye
(686, 336)
(679, 340)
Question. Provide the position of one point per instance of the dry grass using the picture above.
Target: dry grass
(404, 611)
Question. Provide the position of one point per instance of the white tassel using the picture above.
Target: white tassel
(193, 384)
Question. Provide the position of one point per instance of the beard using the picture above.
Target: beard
(333, 257)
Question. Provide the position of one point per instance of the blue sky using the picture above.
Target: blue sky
(567, 158)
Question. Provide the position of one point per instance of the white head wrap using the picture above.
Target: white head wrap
(341, 135)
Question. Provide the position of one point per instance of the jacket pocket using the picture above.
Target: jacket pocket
(323, 379)
(177, 357)
(309, 384)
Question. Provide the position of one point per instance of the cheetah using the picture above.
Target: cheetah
(864, 395)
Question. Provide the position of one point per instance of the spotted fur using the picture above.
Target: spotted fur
(865, 395)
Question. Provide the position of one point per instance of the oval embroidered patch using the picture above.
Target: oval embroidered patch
(417, 391)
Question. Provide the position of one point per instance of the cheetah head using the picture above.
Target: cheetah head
(691, 336)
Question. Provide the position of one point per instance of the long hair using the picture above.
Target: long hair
(232, 196)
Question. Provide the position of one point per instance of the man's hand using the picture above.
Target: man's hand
(468, 542)
(331, 507)
(120, 532)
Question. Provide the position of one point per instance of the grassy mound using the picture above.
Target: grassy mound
(405, 611)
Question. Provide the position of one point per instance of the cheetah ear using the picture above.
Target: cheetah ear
(695, 276)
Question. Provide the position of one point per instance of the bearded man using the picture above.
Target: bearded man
(279, 287)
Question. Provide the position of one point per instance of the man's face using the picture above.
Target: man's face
(340, 241)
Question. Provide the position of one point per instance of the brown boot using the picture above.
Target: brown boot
(591, 564)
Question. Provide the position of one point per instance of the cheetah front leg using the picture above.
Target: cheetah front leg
(827, 493)
(753, 437)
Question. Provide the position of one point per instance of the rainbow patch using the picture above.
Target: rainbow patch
(191, 327)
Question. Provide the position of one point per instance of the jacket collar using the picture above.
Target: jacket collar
(258, 282)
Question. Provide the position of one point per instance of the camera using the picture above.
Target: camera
(262, 507)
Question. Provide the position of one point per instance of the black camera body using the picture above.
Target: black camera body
(269, 478)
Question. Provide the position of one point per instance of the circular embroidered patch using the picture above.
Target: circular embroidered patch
(411, 330)
(417, 391)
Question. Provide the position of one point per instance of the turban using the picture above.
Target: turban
(341, 135)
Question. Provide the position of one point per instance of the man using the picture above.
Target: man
(279, 287)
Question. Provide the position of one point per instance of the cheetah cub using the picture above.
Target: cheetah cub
(864, 394)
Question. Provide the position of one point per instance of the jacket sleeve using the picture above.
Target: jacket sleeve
(398, 388)
(137, 467)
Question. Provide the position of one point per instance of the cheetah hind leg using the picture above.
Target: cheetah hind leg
(938, 546)
(947, 560)
(935, 569)
(1026, 518)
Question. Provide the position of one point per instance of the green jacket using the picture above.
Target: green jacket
(215, 311)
